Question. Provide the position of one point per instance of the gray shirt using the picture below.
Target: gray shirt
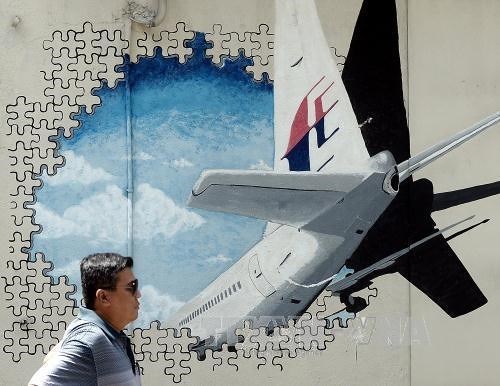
(91, 353)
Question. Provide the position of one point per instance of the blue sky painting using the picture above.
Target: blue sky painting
(185, 118)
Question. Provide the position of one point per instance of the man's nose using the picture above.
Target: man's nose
(138, 293)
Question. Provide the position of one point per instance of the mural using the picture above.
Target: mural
(185, 117)
(316, 205)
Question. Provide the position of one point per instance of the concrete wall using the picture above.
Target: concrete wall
(453, 51)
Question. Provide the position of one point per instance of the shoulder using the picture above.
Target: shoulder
(70, 363)
(86, 333)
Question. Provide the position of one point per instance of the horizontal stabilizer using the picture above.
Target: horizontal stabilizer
(410, 166)
(291, 198)
(352, 280)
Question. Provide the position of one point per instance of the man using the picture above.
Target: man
(94, 349)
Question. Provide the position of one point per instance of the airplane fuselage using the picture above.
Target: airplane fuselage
(283, 274)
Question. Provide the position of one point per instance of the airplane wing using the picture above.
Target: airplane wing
(417, 162)
(376, 91)
(315, 125)
(444, 280)
(283, 198)
(355, 278)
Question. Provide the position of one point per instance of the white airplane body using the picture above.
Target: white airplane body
(317, 217)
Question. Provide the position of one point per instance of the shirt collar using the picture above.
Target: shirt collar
(89, 315)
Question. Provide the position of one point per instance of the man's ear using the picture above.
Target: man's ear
(102, 297)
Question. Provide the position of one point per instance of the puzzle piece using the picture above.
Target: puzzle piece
(247, 346)
(62, 68)
(149, 340)
(18, 247)
(87, 35)
(267, 342)
(335, 310)
(68, 110)
(82, 69)
(291, 344)
(17, 115)
(18, 152)
(181, 36)
(41, 266)
(18, 333)
(217, 38)
(57, 91)
(26, 227)
(265, 41)
(314, 332)
(28, 179)
(44, 113)
(13, 294)
(177, 361)
(111, 61)
(87, 99)
(111, 39)
(50, 162)
(225, 356)
(37, 315)
(235, 44)
(46, 143)
(35, 343)
(253, 360)
(182, 338)
(154, 39)
(263, 54)
(60, 40)
(258, 68)
(329, 304)
(61, 300)
(19, 201)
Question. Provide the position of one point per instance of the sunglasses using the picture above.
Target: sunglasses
(133, 286)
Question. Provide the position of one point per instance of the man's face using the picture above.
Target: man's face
(125, 303)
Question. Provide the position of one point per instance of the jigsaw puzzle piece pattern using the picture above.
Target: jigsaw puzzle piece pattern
(333, 310)
(82, 60)
(168, 348)
(172, 41)
(222, 358)
(40, 309)
(257, 45)
(308, 333)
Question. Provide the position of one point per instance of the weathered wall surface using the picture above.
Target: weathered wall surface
(453, 53)
(454, 81)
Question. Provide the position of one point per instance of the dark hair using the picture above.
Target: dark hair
(100, 271)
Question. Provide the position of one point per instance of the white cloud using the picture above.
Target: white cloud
(156, 306)
(157, 214)
(143, 156)
(77, 170)
(261, 165)
(140, 156)
(102, 218)
(54, 226)
(182, 163)
(72, 270)
(220, 258)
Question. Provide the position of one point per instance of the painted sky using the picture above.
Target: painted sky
(185, 118)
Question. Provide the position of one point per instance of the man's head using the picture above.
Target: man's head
(110, 288)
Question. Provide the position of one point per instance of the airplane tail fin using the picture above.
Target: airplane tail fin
(410, 166)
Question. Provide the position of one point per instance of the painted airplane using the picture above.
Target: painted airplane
(327, 198)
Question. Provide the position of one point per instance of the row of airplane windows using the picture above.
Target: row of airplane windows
(212, 302)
